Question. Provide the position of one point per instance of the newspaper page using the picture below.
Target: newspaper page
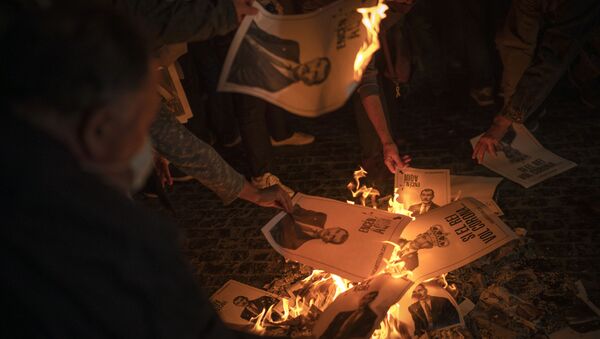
(423, 190)
(449, 237)
(427, 311)
(238, 304)
(480, 188)
(357, 312)
(339, 238)
(522, 159)
(302, 63)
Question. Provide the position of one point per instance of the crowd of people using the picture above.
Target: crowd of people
(85, 127)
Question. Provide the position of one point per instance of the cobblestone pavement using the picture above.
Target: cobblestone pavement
(560, 214)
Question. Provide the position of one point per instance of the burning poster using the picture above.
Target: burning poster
(522, 159)
(303, 63)
(449, 237)
(480, 188)
(239, 305)
(426, 311)
(423, 190)
(357, 312)
(343, 239)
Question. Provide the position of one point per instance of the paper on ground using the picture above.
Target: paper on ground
(423, 190)
(339, 238)
(523, 159)
(271, 54)
(481, 188)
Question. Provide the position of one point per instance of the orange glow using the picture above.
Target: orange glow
(371, 18)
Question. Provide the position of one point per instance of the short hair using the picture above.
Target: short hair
(239, 298)
(428, 190)
(71, 60)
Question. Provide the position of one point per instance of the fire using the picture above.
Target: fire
(371, 18)
(398, 207)
(362, 191)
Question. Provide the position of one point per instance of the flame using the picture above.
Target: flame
(258, 321)
(362, 191)
(371, 18)
(398, 207)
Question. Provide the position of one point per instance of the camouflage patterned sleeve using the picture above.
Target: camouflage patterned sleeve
(194, 157)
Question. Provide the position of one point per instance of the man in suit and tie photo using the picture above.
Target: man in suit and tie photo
(271, 63)
(353, 324)
(426, 203)
(431, 313)
(303, 225)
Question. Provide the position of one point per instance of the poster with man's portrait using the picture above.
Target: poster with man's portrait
(358, 312)
(427, 310)
(303, 63)
(339, 238)
(521, 158)
(423, 190)
(480, 188)
(449, 237)
(238, 304)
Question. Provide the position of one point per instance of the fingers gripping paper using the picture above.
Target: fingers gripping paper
(302, 63)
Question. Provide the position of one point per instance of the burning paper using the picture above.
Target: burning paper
(308, 64)
(423, 190)
(522, 159)
(343, 239)
(449, 237)
(480, 188)
(358, 312)
(241, 306)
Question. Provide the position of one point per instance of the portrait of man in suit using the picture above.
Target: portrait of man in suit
(433, 237)
(253, 308)
(303, 225)
(353, 324)
(426, 203)
(269, 62)
(431, 313)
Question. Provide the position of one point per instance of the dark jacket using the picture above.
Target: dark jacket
(443, 314)
(359, 329)
(80, 260)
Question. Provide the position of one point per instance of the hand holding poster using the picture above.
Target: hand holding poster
(522, 159)
(302, 63)
(422, 190)
(343, 239)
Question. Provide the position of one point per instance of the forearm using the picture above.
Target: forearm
(194, 157)
(374, 109)
(171, 22)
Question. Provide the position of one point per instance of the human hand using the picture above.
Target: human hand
(272, 196)
(243, 8)
(161, 166)
(392, 159)
(490, 139)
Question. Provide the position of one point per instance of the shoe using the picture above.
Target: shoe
(179, 176)
(482, 96)
(233, 143)
(268, 180)
(297, 139)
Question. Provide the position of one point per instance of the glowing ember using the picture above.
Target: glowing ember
(362, 191)
(371, 18)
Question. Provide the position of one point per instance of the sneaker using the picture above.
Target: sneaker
(179, 176)
(482, 96)
(297, 139)
(268, 180)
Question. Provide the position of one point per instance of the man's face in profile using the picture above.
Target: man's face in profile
(420, 292)
(427, 196)
(368, 298)
(314, 72)
(334, 235)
